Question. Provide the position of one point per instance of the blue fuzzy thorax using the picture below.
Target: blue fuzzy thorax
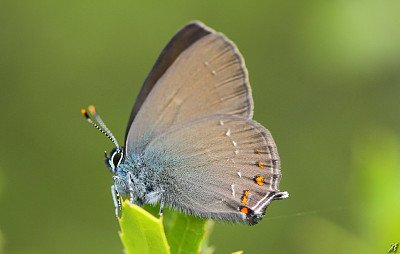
(144, 179)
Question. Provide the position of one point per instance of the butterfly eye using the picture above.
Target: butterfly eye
(116, 158)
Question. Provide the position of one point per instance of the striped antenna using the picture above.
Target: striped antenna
(107, 132)
(92, 110)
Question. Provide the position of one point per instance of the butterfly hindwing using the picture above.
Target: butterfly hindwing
(217, 167)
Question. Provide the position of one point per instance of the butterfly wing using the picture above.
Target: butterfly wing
(181, 41)
(219, 167)
(208, 77)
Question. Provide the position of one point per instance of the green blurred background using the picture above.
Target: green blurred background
(326, 82)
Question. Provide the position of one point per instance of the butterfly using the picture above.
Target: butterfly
(190, 142)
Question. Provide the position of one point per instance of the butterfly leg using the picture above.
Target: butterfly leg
(130, 184)
(161, 208)
(116, 198)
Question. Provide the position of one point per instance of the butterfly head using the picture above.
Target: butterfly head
(115, 159)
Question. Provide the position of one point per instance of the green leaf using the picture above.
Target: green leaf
(205, 247)
(177, 233)
(186, 233)
(142, 232)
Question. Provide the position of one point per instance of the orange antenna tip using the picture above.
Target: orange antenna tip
(106, 131)
(83, 111)
(92, 110)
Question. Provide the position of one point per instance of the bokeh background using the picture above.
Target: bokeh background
(326, 82)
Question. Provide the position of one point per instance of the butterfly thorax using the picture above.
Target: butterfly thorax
(143, 180)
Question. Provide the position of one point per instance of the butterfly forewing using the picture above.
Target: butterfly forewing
(181, 41)
(207, 78)
(217, 167)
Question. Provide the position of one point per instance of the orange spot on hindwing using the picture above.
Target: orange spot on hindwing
(259, 180)
(260, 164)
(245, 197)
(244, 210)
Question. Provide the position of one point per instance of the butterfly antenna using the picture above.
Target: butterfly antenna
(92, 110)
(107, 132)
